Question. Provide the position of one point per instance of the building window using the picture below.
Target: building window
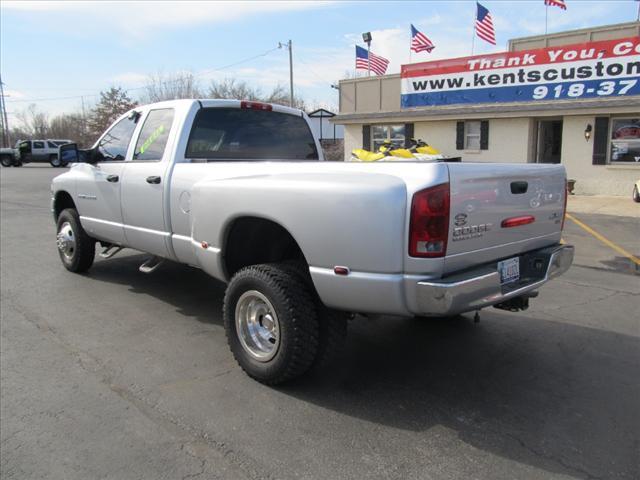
(383, 133)
(472, 135)
(625, 140)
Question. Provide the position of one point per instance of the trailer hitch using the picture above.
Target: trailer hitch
(517, 303)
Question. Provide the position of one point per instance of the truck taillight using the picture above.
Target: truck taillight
(429, 223)
(564, 209)
(255, 105)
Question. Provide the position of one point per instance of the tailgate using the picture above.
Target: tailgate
(484, 196)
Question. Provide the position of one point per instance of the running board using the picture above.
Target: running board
(110, 251)
(151, 264)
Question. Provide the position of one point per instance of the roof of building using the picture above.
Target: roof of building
(321, 112)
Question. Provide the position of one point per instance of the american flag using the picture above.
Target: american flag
(556, 3)
(484, 25)
(378, 64)
(420, 42)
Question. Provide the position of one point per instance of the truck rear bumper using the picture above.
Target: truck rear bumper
(481, 287)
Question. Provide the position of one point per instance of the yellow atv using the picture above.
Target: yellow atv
(385, 152)
(419, 146)
(362, 155)
(387, 147)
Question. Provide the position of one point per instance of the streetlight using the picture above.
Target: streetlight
(366, 36)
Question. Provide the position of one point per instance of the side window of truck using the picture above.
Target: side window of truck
(115, 142)
(154, 135)
(228, 134)
(38, 145)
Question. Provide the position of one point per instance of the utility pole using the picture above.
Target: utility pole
(289, 46)
(290, 73)
(6, 141)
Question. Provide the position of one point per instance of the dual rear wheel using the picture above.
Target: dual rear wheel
(276, 327)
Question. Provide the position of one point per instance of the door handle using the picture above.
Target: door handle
(113, 178)
(155, 179)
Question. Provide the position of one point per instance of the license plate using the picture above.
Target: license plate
(509, 270)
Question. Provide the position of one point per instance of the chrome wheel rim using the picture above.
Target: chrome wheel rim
(66, 241)
(55, 162)
(257, 326)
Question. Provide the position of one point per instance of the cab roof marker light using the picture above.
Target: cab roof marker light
(255, 105)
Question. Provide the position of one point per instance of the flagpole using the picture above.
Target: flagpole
(473, 30)
(368, 59)
(546, 16)
(410, 40)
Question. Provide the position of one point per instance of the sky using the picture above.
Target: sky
(53, 52)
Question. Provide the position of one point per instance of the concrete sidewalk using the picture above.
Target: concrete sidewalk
(604, 205)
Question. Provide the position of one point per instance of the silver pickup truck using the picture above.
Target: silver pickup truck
(240, 190)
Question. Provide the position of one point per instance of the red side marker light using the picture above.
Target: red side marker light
(341, 270)
(204, 245)
(517, 221)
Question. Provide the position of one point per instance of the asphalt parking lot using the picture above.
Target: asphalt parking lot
(120, 375)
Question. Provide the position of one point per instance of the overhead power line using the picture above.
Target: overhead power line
(199, 74)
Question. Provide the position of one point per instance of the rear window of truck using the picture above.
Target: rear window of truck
(241, 134)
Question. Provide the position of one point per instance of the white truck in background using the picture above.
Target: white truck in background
(240, 190)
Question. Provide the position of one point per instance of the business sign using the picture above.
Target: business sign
(602, 69)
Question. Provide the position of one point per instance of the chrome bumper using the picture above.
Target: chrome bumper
(481, 287)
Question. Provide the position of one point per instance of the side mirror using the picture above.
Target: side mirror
(69, 153)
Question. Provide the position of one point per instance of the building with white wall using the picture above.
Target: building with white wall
(570, 98)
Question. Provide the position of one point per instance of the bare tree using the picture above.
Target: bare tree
(18, 133)
(113, 103)
(230, 88)
(35, 124)
(69, 126)
(161, 87)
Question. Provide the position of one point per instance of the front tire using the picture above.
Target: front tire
(6, 160)
(76, 249)
(55, 161)
(636, 194)
(271, 323)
